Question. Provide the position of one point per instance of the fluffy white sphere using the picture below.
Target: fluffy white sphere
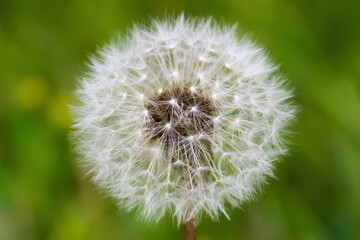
(181, 117)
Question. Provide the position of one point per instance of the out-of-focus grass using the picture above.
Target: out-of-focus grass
(43, 46)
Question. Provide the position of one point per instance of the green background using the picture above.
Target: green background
(43, 191)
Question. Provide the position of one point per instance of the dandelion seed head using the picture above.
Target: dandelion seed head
(184, 117)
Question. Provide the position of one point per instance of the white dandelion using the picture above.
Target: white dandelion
(182, 117)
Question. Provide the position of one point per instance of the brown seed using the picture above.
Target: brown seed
(178, 113)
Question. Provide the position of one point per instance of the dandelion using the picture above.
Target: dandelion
(182, 117)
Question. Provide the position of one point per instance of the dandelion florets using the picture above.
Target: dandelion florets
(183, 118)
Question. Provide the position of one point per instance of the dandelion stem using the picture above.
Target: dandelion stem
(190, 230)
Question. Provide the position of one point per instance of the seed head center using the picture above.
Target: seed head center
(176, 114)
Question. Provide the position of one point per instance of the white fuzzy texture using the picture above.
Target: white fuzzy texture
(252, 110)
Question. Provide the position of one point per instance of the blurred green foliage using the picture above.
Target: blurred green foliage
(43, 47)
